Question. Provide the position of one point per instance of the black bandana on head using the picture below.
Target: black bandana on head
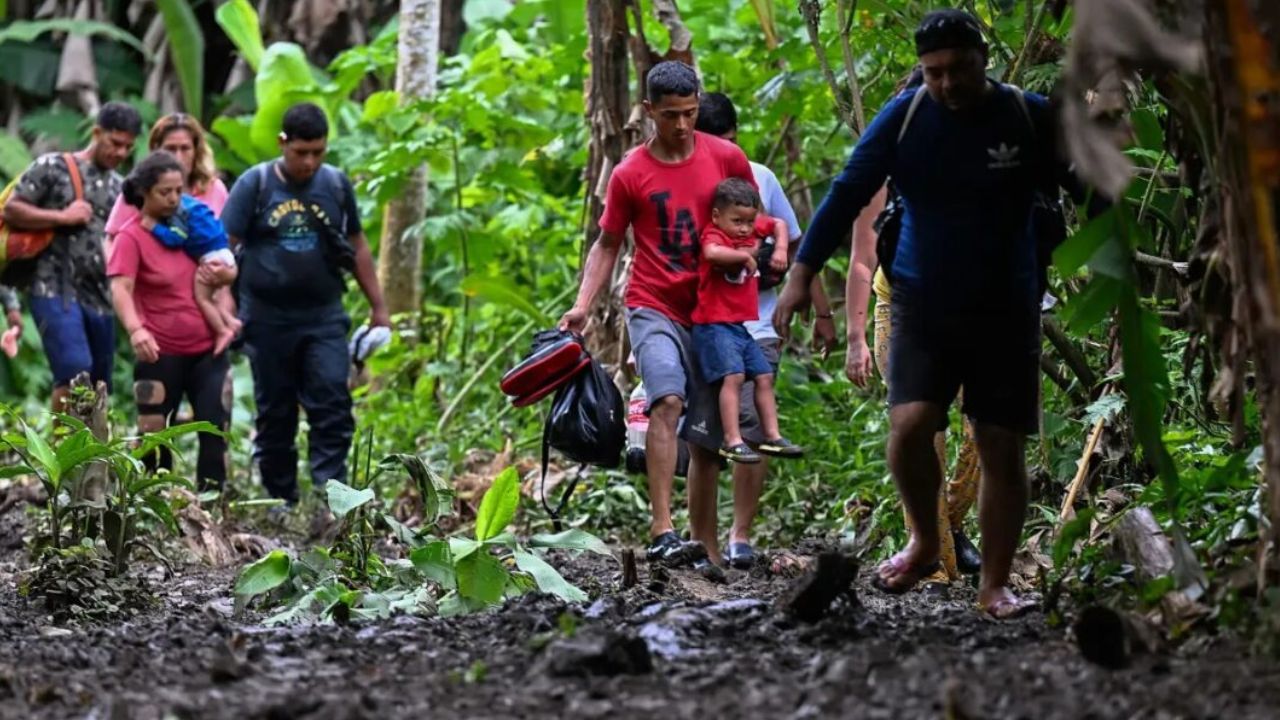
(949, 30)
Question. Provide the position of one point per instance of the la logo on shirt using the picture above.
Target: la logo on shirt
(678, 240)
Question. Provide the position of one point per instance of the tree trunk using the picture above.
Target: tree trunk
(400, 252)
(607, 110)
(1244, 61)
(452, 27)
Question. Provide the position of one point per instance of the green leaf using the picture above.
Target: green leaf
(186, 48)
(573, 539)
(437, 495)
(481, 577)
(1108, 408)
(1084, 311)
(1081, 246)
(152, 441)
(462, 547)
(236, 133)
(401, 531)
(1070, 534)
(379, 104)
(502, 291)
(44, 455)
(1146, 127)
(435, 562)
(284, 79)
(264, 575)
(498, 505)
(28, 30)
(162, 511)
(13, 471)
(239, 21)
(344, 498)
(548, 578)
(1114, 260)
(14, 156)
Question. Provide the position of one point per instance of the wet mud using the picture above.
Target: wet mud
(673, 646)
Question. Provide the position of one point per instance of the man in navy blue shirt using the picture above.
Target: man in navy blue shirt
(967, 156)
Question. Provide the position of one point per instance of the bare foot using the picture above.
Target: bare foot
(223, 341)
(1002, 604)
(901, 572)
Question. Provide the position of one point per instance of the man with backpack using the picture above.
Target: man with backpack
(965, 305)
(295, 223)
(70, 299)
(662, 191)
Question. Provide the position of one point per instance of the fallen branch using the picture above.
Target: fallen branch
(1071, 355)
(845, 10)
(1082, 471)
(812, 11)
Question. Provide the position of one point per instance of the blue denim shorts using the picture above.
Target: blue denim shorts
(728, 349)
(76, 338)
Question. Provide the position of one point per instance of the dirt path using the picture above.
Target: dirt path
(683, 648)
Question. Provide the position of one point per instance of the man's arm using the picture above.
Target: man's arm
(863, 176)
(597, 271)
(367, 277)
(23, 208)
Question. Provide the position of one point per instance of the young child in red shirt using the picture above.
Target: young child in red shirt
(728, 296)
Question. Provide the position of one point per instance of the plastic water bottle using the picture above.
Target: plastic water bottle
(637, 426)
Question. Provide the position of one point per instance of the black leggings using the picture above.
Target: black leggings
(158, 388)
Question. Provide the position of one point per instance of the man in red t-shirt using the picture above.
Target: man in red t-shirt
(663, 192)
(728, 297)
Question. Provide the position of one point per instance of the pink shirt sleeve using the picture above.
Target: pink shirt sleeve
(122, 260)
(215, 196)
(122, 216)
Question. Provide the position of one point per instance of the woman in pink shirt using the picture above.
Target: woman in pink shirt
(153, 291)
(183, 137)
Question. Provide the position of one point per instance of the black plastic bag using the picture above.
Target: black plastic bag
(587, 424)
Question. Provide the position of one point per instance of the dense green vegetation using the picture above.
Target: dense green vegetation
(505, 142)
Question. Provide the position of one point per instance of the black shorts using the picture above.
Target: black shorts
(994, 356)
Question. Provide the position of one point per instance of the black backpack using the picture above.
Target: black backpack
(587, 423)
(1048, 221)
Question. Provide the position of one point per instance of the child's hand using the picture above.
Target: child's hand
(778, 260)
(750, 265)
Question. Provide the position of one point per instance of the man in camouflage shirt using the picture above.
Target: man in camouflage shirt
(70, 299)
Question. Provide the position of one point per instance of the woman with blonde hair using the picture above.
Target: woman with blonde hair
(182, 136)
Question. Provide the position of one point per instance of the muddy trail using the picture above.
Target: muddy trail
(673, 646)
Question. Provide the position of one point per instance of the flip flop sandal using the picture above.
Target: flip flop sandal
(1009, 607)
(902, 569)
(740, 453)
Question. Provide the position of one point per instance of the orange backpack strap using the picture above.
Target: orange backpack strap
(73, 168)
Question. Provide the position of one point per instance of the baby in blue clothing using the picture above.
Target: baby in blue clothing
(198, 232)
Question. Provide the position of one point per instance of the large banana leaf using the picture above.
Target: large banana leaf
(239, 21)
(186, 47)
(28, 30)
(284, 79)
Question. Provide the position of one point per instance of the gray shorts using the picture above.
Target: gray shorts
(748, 418)
(665, 359)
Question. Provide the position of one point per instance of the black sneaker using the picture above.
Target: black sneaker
(781, 447)
(968, 558)
(710, 571)
(741, 556)
(668, 549)
(740, 453)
